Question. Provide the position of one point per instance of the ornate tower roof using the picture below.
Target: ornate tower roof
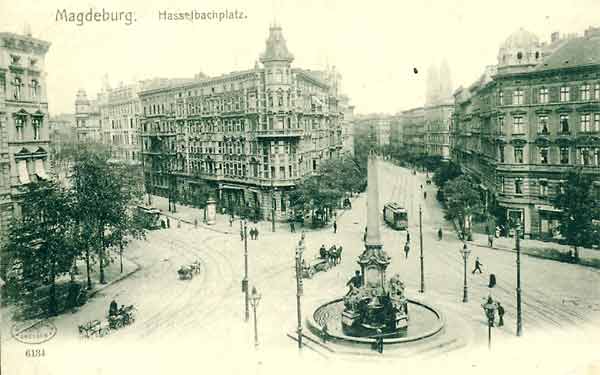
(81, 97)
(521, 51)
(276, 48)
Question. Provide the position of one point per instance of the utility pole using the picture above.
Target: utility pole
(422, 290)
(245, 282)
(272, 207)
(299, 253)
(518, 248)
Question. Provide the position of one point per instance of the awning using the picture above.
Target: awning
(23, 172)
(39, 169)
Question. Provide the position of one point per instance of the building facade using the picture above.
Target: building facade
(87, 118)
(24, 133)
(120, 111)
(347, 124)
(375, 126)
(413, 130)
(528, 121)
(251, 135)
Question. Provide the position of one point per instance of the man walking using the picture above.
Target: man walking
(490, 240)
(500, 314)
(335, 227)
(440, 234)
(406, 250)
(292, 227)
(256, 233)
(478, 265)
(407, 237)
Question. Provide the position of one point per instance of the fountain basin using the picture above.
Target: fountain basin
(425, 321)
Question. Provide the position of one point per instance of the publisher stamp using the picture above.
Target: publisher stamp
(33, 333)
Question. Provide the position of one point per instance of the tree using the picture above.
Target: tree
(40, 247)
(103, 192)
(445, 173)
(463, 202)
(578, 205)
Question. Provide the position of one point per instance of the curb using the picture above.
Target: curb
(532, 255)
(120, 278)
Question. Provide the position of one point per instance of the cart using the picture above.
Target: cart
(314, 266)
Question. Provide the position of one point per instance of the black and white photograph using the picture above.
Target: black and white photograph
(299, 187)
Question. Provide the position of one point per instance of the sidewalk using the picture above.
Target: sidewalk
(113, 275)
(540, 249)
(187, 215)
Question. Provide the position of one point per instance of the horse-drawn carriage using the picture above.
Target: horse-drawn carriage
(325, 260)
(314, 266)
(188, 272)
(121, 317)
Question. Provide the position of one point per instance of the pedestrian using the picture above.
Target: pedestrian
(112, 308)
(478, 265)
(406, 250)
(407, 236)
(379, 341)
(195, 223)
(168, 222)
(500, 314)
(241, 234)
(256, 233)
(424, 195)
(292, 227)
(331, 256)
(325, 332)
(421, 186)
(338, 255)
(231, 220)
(440, 234)
(322, 252)
(491, 240)
(492, 281)
(178, 223)
(335, 227)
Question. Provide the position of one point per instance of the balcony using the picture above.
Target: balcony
(279, 133)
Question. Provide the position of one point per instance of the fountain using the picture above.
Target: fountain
(376, 307)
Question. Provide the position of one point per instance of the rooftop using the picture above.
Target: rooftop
(579, 51)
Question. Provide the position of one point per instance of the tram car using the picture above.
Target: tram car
(395, 216)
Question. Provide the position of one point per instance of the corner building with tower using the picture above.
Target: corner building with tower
(251, 135)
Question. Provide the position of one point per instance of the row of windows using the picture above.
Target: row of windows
(21, 121)
(18, 88)
(586, 92)
(586, 156)
(588, 122)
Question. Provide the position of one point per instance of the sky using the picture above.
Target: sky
(375, 45)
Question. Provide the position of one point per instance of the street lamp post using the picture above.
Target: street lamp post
(272, 207)
(422, 290)
(255, 299)
(245, 281)
(518, 248)
(490, 312)
(299, 252)
(465, 254)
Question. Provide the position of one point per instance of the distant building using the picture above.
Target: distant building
(24, 133)
(87, 118)
(347, 124)
(529, 120)
(252, 135)
(375, 126)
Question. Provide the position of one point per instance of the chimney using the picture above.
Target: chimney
(554, 37)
